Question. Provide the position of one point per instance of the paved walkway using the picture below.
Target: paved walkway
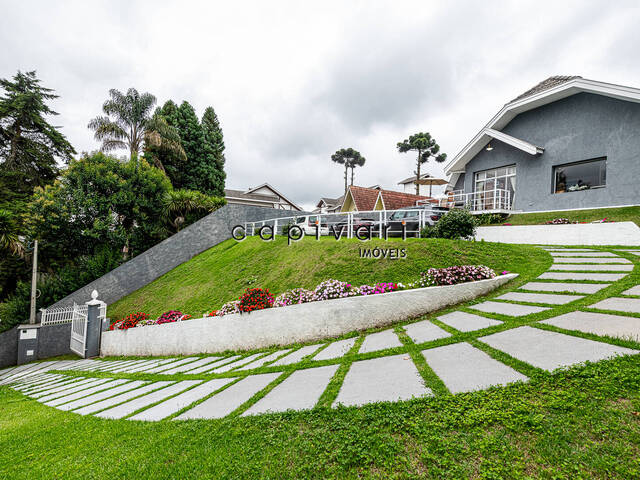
(381, 366)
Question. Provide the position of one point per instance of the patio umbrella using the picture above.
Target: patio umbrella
(431, 181)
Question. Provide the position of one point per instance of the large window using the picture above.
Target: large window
(574, 177)
(490, 187)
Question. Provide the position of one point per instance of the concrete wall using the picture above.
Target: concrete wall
(53, 340)
(9, 347)
(307, 322)
(619, 233)
(581, 127)
(168, 254)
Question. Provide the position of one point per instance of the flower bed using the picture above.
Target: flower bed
(258, 299)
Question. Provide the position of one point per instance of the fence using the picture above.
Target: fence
(381, 223)
(57, 316)
(488, 200)
(79, 330)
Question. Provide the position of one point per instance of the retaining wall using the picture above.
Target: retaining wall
(168, 254)
(53, 340)
(618, 233)
(286, 325)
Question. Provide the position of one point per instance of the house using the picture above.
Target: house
(261, 196)
(329, 205)
(567, 143)
(362, 199)
(409, 184)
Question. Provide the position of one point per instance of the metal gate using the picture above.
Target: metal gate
(79, 331)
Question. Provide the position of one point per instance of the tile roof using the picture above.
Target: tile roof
(364, 198)
(546, 85)
(394, 200)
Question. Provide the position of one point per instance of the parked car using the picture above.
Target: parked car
(410, 217)
(308, 224)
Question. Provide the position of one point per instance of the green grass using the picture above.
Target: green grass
(620, 214)
(581, 423)
(223, 272)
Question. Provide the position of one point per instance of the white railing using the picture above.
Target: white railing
(489, 200)
(57, 316)
(78, 342)
(346, 224)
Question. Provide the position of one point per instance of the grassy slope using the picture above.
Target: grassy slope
(624, 214)
(223, 272)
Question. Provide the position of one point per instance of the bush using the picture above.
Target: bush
(491, 218)
(130, 321)
(172, 316)
(255, 299)
(333, 289)
(454, 224)
(558, 221)
(454, 275)
(293, 297)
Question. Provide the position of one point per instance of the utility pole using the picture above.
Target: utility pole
(34, 274)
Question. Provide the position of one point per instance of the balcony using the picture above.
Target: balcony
(488, 201)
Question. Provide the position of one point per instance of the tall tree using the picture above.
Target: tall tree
(125, 122)
(162, 143)
(350, 158)
(29, 145)
(426, 147)
(214, 151)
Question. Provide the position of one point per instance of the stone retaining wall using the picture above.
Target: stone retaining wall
(296, 323)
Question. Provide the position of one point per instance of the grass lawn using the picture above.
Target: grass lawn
(621, 214)
(223, 272)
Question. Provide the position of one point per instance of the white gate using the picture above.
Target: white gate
(79, 331)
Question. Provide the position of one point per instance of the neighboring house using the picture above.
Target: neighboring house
(329, 205)
(261, 196)
(567, 143)
(362, 199)
(409, 184)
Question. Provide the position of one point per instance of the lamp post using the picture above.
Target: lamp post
(34, 274)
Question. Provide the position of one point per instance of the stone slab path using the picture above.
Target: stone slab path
(598, 323)
(551, 350)
(130, 389)
(465, 322)
(425, 331)
(631, 305)
(464, 368)
(380, 341)
(300, 391)
(384, 379)
(510, 309)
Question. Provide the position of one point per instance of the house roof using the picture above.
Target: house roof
(393, 200)
(330, 201)
(276, 192)
(250, 196)
(364, 198)
(413, 179)
(548, 91)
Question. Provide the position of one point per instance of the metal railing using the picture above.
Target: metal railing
(489, 200)
(57, 316)
(78, 342)
(348, 224)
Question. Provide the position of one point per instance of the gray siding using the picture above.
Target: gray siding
(580, 127)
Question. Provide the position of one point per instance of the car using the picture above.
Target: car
(410, 218)
(308, 224)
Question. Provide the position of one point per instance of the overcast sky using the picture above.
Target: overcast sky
(292, 82)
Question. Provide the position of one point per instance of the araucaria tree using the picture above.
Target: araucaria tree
(29, 145)
(426, 147)
(351, 159)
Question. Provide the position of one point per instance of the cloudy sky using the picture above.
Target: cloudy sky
(292, 82)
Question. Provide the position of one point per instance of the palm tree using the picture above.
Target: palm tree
(159, 138)
(179, 203)
(426, 147)
(350, 158)
(9, 240)
(126, 120)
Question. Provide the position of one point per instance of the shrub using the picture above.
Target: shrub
(172, 316)
(454, 275)
(333, 289)
(129, 321)
(229, 307)
(293, 297)
(255, 299)
(491, 218)
(456, 223)
(377, 288)
(558, 221)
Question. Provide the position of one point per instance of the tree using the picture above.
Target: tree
(178, 204)
(9, 241)
(214, 151)
(125, 122)
(350, 158)
(426, 147)
(29, 145)
(162, 142)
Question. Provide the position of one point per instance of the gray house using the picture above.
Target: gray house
(567, 143)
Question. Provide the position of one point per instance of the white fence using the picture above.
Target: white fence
(57, 316)
(487, 201)
(349, 224)
(78, 343)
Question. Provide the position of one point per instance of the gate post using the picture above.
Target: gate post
(94, 326)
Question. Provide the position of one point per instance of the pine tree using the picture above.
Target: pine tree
(29, 145)
(214, 151)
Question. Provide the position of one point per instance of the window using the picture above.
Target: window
(490, 188)
(574, 177)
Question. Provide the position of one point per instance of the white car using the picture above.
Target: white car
(308, 225)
